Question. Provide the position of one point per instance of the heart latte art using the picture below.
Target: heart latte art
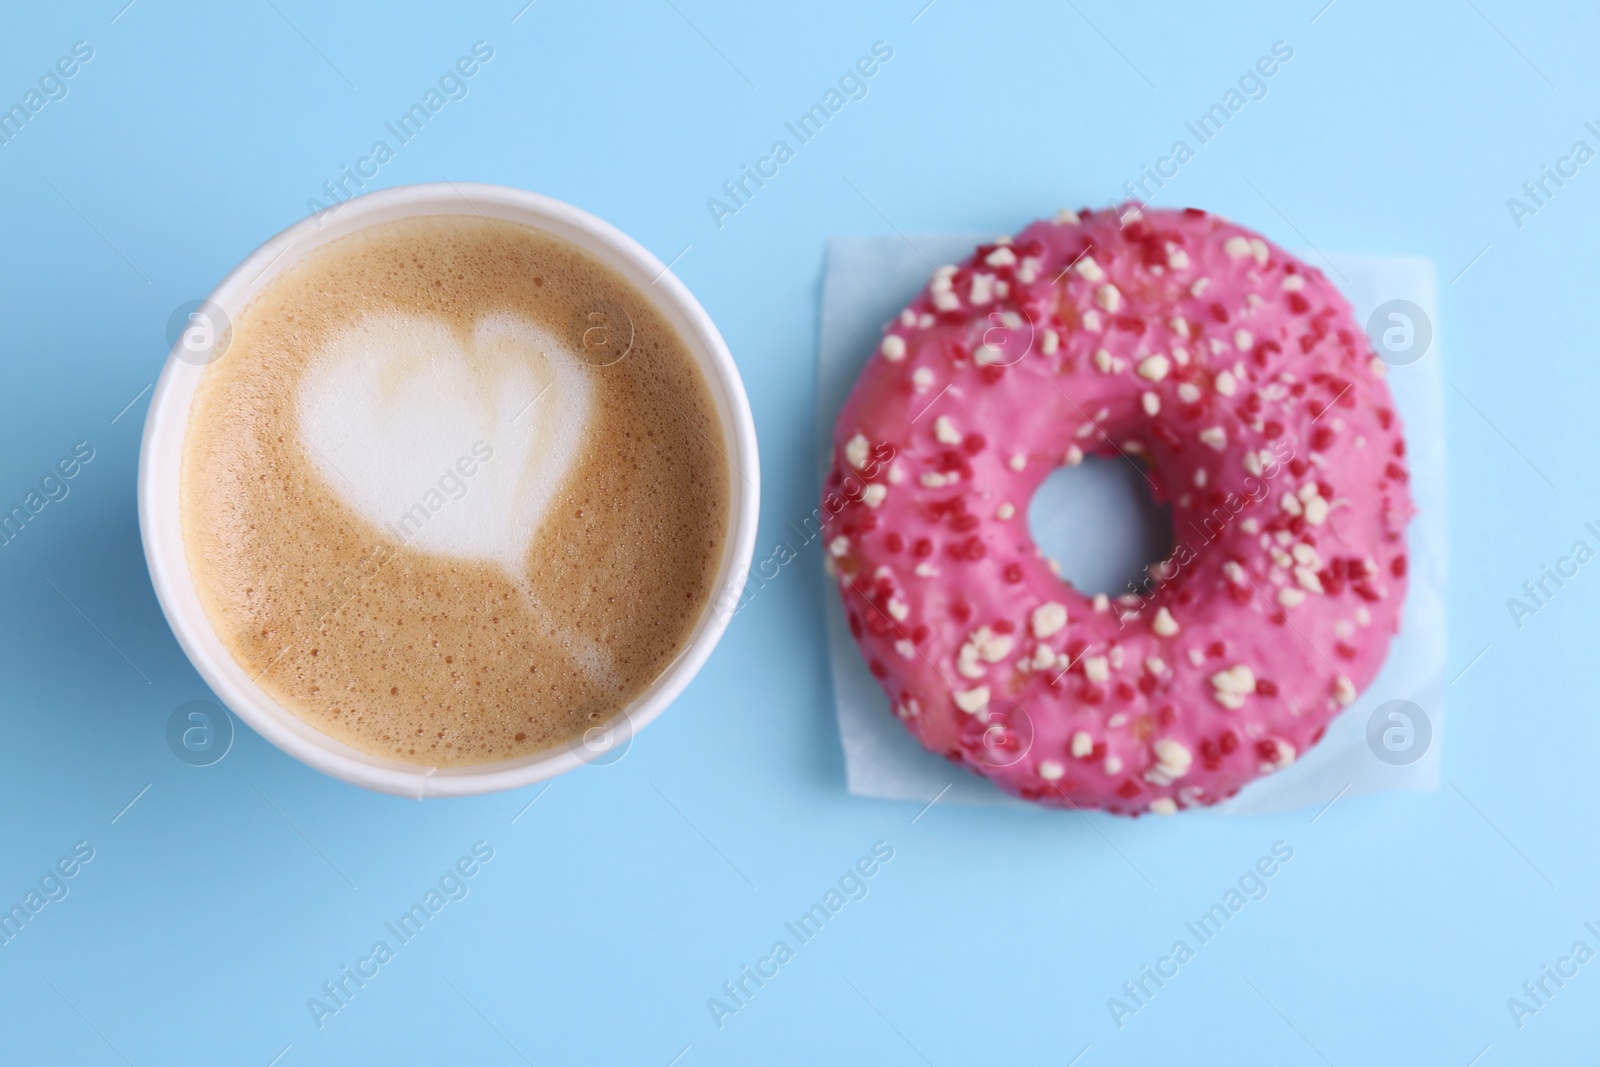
(399, 403)
(426, 518)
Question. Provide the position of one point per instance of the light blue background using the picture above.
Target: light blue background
(622, 900)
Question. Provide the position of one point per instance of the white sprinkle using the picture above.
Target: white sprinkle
(905, 648)
(1343, 691)
(857, 451)
(1177, 258)
(839, 545)
(982, 289)
(1308, 580)
(1188, 392)
(1074, 456)
(1243, 339)
(945, 431)
(1089, 269)
(1214, 437)
(1164, 624)
(1199, 287)
(1163, 806)
(1066, 217)
(925, 570)
(1258, 248)
(1082, 744)
(1237, 247)
(1290, 597)
(1113, 765)
(1180, 355)
(893, 348)
(897, 474)
(1154, 368)
(922, 378)
(1231, 686)
(1091, 321)
(1316, 511)
(1155, 665)
(1005, 512)
(1001, 257)
(1174, 756)
(1101, 603)
(1050, 770)
(874, 495)
(1048, 619)
(1180, 326)
(1049, 342)
(1103, 360)
(967, 664)
(1017, 461)
(1225, 383)
(898, 609)
(1096, 669)
(946, 301)
(1151, 403)
(994, 647)
(1294, 282)
(972, 701)
(1109, 297)
(908, 317)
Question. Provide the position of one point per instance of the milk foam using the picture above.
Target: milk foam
(401, 548)
(455, 446)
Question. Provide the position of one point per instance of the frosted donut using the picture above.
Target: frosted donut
(1236, 378)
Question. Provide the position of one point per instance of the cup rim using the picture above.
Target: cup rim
(166, 424)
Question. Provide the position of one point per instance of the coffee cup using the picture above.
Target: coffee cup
(205, 335)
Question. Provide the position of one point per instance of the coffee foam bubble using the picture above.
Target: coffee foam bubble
(455, 445)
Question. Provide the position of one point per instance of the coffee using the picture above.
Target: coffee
(455, 493)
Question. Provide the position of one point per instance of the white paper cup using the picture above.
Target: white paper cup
(161, 456)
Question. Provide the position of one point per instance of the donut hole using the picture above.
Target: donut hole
(1101, 522)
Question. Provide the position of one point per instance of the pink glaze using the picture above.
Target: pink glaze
(1239, 378)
